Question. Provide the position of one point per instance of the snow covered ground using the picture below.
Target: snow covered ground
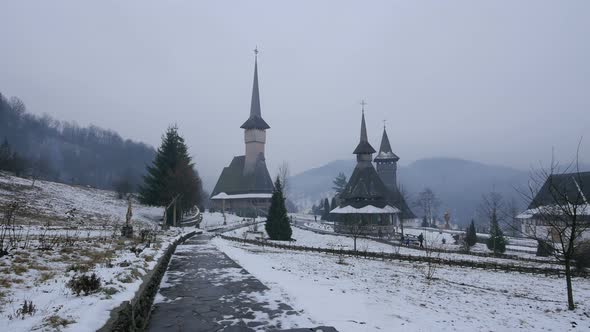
(48, 202)
(367, 295)
(332, 241)
(41, 277)
(215, 220)
(52, 248)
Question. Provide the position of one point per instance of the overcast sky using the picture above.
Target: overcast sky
(499, 82)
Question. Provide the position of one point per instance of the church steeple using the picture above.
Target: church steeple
(364, 147)
(255, 120)
(385, 152)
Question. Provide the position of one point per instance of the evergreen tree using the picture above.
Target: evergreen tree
(496, 241)
(277, 223)
(471, 236)
(172, 175)
(326, 210)
(339, 183)
(425, 222)
(333, 203)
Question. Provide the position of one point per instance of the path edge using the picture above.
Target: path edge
(134, 315)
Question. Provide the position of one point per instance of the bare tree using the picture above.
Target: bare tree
(559, 213)
(405, 196)
(491, 203)
(355, 226)
(284, 174)
(512, 223)
(432, 253)
(428, 203)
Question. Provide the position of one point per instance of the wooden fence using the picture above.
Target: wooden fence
(409, 258)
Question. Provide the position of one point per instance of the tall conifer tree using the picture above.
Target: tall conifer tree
(172, 174)
(496, 241)
(471, 235)
(277, 223)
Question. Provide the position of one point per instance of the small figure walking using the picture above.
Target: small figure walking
(421, 239)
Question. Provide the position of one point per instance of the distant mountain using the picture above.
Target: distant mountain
(459, 184)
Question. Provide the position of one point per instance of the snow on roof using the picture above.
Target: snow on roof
(582, 210)
(241, 196)
(369, 209)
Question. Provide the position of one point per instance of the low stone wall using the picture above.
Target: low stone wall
(134, 315)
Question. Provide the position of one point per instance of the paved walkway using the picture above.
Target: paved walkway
(204, 290)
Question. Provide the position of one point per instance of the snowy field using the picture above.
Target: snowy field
(51, 248)
(367, 295)
(332, 241)
(525, 248)
(41, 277)
(215, 220)
(47, 203)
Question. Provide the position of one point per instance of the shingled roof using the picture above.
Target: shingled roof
(255, 120)
(233, 181)
(364, 188)
(397, 199)
(364, 147)
(575, 186)
(385, 152)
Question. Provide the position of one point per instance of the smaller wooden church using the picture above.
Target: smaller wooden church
(366, 200)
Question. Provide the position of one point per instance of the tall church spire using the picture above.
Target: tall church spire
(385, 152)
(255, 120)
(363, 147)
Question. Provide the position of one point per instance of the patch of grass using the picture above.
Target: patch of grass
(96, 257)
(5, 282)
(129, 277)
(56, 322)
(46, 276)
(110, 291)
(66, 250)
(19, 269)
(78, 268)
(20, 259)
(149, 258)
(38, 267)
(18, 280)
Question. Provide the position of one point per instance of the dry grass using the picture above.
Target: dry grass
(19, 269)
(20, 259)
(5, 282)
(45, 276)
(129, 277)
(56, 322)
(96, 257)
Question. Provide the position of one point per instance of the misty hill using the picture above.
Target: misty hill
(459, 184)
(65, 152)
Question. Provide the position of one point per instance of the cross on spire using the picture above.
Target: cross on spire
(256, 51)
(363, 103)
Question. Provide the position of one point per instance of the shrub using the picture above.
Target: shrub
(84, 284)
(544, 248)
(28, 308)
(582, 255)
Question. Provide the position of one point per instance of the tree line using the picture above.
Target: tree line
(46, 148)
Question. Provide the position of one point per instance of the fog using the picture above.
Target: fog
(501, 82)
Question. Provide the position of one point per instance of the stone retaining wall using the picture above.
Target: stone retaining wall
(132, 316)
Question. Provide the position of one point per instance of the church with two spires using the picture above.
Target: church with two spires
(371, 195)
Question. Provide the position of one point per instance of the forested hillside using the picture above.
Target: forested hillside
(65, 152)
